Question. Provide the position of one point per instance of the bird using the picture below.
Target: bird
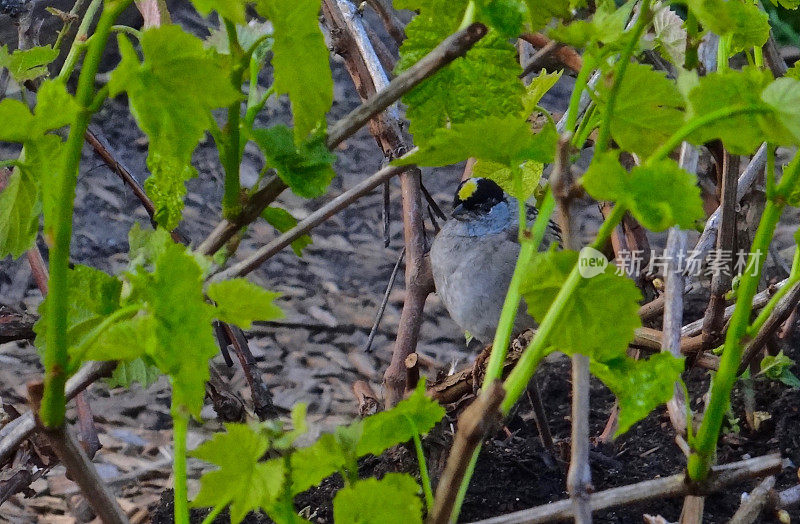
(474, 254)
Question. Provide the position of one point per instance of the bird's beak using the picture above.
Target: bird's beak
(459, 211)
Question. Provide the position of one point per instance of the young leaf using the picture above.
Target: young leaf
(670, 35)
(482, 83)
(531, 174)
(172, 93)
(507, 16)
(745, 22)
(541, 12)
(639, 385)
(233, 10)
(126, 340)
(281, 220)
(240, 302)
(306, 168)
(606, 306)
(145, 246)
(415, 415)
(783, 95)
(742, 133)
(778, 367)
(606, 27)
(394, 499)
(173, 293)
(504, 140)
(373, 435)
(300, 61)
(538, 87)
(17, 121)
(93, 296)
(648, 109)
(20, 207)
(139, 370)
(241, 480)
(28, 64)
(659, 195)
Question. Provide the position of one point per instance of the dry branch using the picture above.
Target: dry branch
(673, 300)
(673, 486)
(754, 504)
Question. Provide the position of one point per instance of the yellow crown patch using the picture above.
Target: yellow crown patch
(467, 190)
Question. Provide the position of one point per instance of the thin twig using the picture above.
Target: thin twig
(389, 18)
(564, 54)
(673, 486)
(262, 400)
(314, 219)
(382, 307)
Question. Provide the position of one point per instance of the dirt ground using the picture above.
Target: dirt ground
(330, 297)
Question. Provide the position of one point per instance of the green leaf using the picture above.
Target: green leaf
(240, 302)
(306, 168)
(783, 95)
(541, 12)
(659, 195)
(743, 133)
(300, 61)
(281, 220)
(28, 64)
(605, 305)
(394, 499)
(233, 10)
(126, 340)
(504, 140)
(778, 367)
(648, 109)
(145, 246)
(534, 92)
(372, 435)
(173, 293)
(531, 175)
(507, 16)
(42, 159)
(171, 94)
(639, 385)
(20, 207)
(247, 35)
(93, 296)
(415, 415)
(482, 83)
(17, 121)
(607, 27)
(139, 370)
(241, 480)
(743, 21)
(55, 107)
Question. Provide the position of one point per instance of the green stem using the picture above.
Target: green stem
(723, 53)
(68, 24)
(56, 357)
(696, 123)
(180, 428)
(582, 134)
(577, 92)
(232, 152)
(423, 472)
(213, 514)
(128, 31)
(769, 174)
(641, 24)
(706, 440)
(469, 16)
(78, 44)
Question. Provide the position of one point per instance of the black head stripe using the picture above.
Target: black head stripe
(478, 194)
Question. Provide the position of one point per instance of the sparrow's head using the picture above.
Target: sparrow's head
(476, 196)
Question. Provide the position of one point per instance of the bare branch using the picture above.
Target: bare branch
(673, 486)
(754, 504)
